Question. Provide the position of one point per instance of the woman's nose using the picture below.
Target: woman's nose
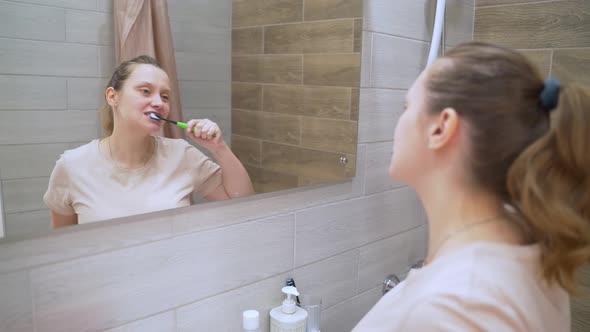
(157, 100)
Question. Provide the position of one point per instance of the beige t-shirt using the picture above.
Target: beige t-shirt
(481, 287)
(87, 183)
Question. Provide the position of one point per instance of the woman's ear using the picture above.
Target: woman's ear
(111, 97)
(443, 129)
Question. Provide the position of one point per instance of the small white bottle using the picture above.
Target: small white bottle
(288, 317)
(250, 322)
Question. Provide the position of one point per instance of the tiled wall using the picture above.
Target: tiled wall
(56, 57)
(555, 35)
(295, 73)
(197, 268)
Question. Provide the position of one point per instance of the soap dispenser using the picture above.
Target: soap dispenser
(288, 317)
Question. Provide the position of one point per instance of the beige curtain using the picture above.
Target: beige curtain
(142, 27)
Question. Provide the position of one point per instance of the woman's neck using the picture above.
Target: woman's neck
(129, 150)
(459, 215)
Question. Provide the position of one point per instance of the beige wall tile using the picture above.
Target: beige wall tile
(262, 12)
(27, 161)
(200, 36)
(333, 69)
(306, 162)
(377, 173)
(316, 101)
(165, 322)
(331, 9)
(203, 66)
(205, 94)
(24, 194)
(76, 4)
(358, 34)
(246, 96)
(333, 280)
(397, 62)
(316, 37)
(247, 149)
(105, 6)
(572, 65)
(213, 14)
(48, 127)
(329, 135)
(404, 18)
(279, 69)
(26, 223)
(481, 3)
(247, 41)
(380, 110)
(556, 24)
(366, 59)
(48, 58)
(393, 255)
(32, 92)
(458, 22)
(86, 93)
(106, 61)
(329, 230)
(212, 314)
(16, 314)
(26, 21)
(160, 275)
(540, 58)
(89, 27)
(344, 316)
(269, 126)
(354, 104)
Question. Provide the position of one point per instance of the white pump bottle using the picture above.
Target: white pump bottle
(288, 317)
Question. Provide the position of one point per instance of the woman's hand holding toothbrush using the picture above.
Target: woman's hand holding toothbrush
(206, 133)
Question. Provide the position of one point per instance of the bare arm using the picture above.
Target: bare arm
(59, 220)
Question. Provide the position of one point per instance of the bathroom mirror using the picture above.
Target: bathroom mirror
(280, 77)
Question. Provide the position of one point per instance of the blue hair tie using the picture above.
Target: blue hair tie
(549, 95)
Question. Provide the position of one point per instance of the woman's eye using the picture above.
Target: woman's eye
(145, 91)
(165, 97)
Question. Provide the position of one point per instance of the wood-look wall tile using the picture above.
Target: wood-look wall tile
(572, 65)
(269, 126)
(377, 172)
(247, 149)
(159, 275)
(397, 62)
(28, 161)
(380, 110)
(555, 24)
(18, 20)
(330, 9)
(247, 41)
(315, 37)
(344, 316)
(26, 223)
(16, 312)
(211, 314)
(328, 230)
(317, 101)
(23, 195)
(265, 180)
(285, 69)
(354, 103)
(333, 279)
(306, 162)
(332, 69)
(392, 255)
(540, 58)
(246, 96)
(329, 135)
(32, 93)
(164, 322)
(88, 27)
(358, 33)
(33, 57)
(261, 12)
(482, 3)
(48, 127)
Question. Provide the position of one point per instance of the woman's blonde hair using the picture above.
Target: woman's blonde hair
(121, 74)
(536, 158)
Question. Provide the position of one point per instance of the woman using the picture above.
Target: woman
(500, 160)
(131, 171)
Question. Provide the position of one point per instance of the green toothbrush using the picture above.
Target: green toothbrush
(180, 124)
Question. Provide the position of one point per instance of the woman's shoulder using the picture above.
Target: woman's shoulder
(81, 153)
